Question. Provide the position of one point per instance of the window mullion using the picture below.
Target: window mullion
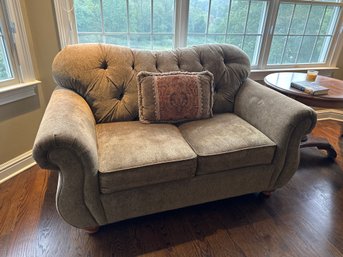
(208, 19)
(228, 21)
(246, 24)
(288, 32)
(273, 7)
(325, 35)
(337, 39)
(66, 22)
(315, 42)
(128, 23)
(72, 21)
(321, 21)
(102, 22)
(181, 23)
(317, 36)
(304, 31)
(151, 23)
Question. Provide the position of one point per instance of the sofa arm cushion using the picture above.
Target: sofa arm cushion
(67, 123)
(282, 119)
(270, 111)
(174, 96)
(66, 142)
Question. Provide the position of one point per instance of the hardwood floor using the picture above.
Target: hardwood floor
(303, 219)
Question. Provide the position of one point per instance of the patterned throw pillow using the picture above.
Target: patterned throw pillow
(174, 96)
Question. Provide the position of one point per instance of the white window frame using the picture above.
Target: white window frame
(25, 82)
(263, 69)
(335, 44)
(68, 34)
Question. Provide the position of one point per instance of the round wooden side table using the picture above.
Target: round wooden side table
(281, 82)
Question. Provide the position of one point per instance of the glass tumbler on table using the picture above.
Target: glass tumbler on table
(311, 75)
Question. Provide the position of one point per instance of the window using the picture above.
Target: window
(303, 33)
(143, 24)
(5, 66)
(274, 33)
(236, 22)
(6, 70)
(17, 78)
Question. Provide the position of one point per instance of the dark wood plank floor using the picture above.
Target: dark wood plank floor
(304, 219)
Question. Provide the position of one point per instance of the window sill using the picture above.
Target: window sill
(260, 74)
(12, 93)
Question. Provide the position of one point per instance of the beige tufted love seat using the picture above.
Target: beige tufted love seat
(113, 167)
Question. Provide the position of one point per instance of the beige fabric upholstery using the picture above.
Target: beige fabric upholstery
(132, 154)
(177, 194)
(106, 75)
(66, 142)
(149, 168)
(282, 119)
(227, 142)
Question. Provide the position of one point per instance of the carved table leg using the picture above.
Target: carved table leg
(320, 143)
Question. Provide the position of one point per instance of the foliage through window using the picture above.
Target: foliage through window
(234, 22)
(5, 64)
(303, 33)
(140, 24)
(272, 33)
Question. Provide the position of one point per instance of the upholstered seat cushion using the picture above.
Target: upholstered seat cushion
(132, 154)
(226, 142)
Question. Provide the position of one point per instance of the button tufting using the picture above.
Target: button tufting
(104, 65)
(121, 94)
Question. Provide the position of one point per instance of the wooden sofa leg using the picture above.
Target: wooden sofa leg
(91, 230)
(267, 193)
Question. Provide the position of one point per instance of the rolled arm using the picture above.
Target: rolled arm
(67, 123)
(284, 120)
(66, 142)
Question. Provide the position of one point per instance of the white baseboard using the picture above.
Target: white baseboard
(16, 165)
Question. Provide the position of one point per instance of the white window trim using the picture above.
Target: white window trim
(65, 17)
(337, 44)
(19, 36)
(27, 81)
(16, 92)
(68, 34)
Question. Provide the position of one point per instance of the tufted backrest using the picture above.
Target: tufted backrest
(106, 75)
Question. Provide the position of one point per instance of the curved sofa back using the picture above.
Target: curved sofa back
(106, 75)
